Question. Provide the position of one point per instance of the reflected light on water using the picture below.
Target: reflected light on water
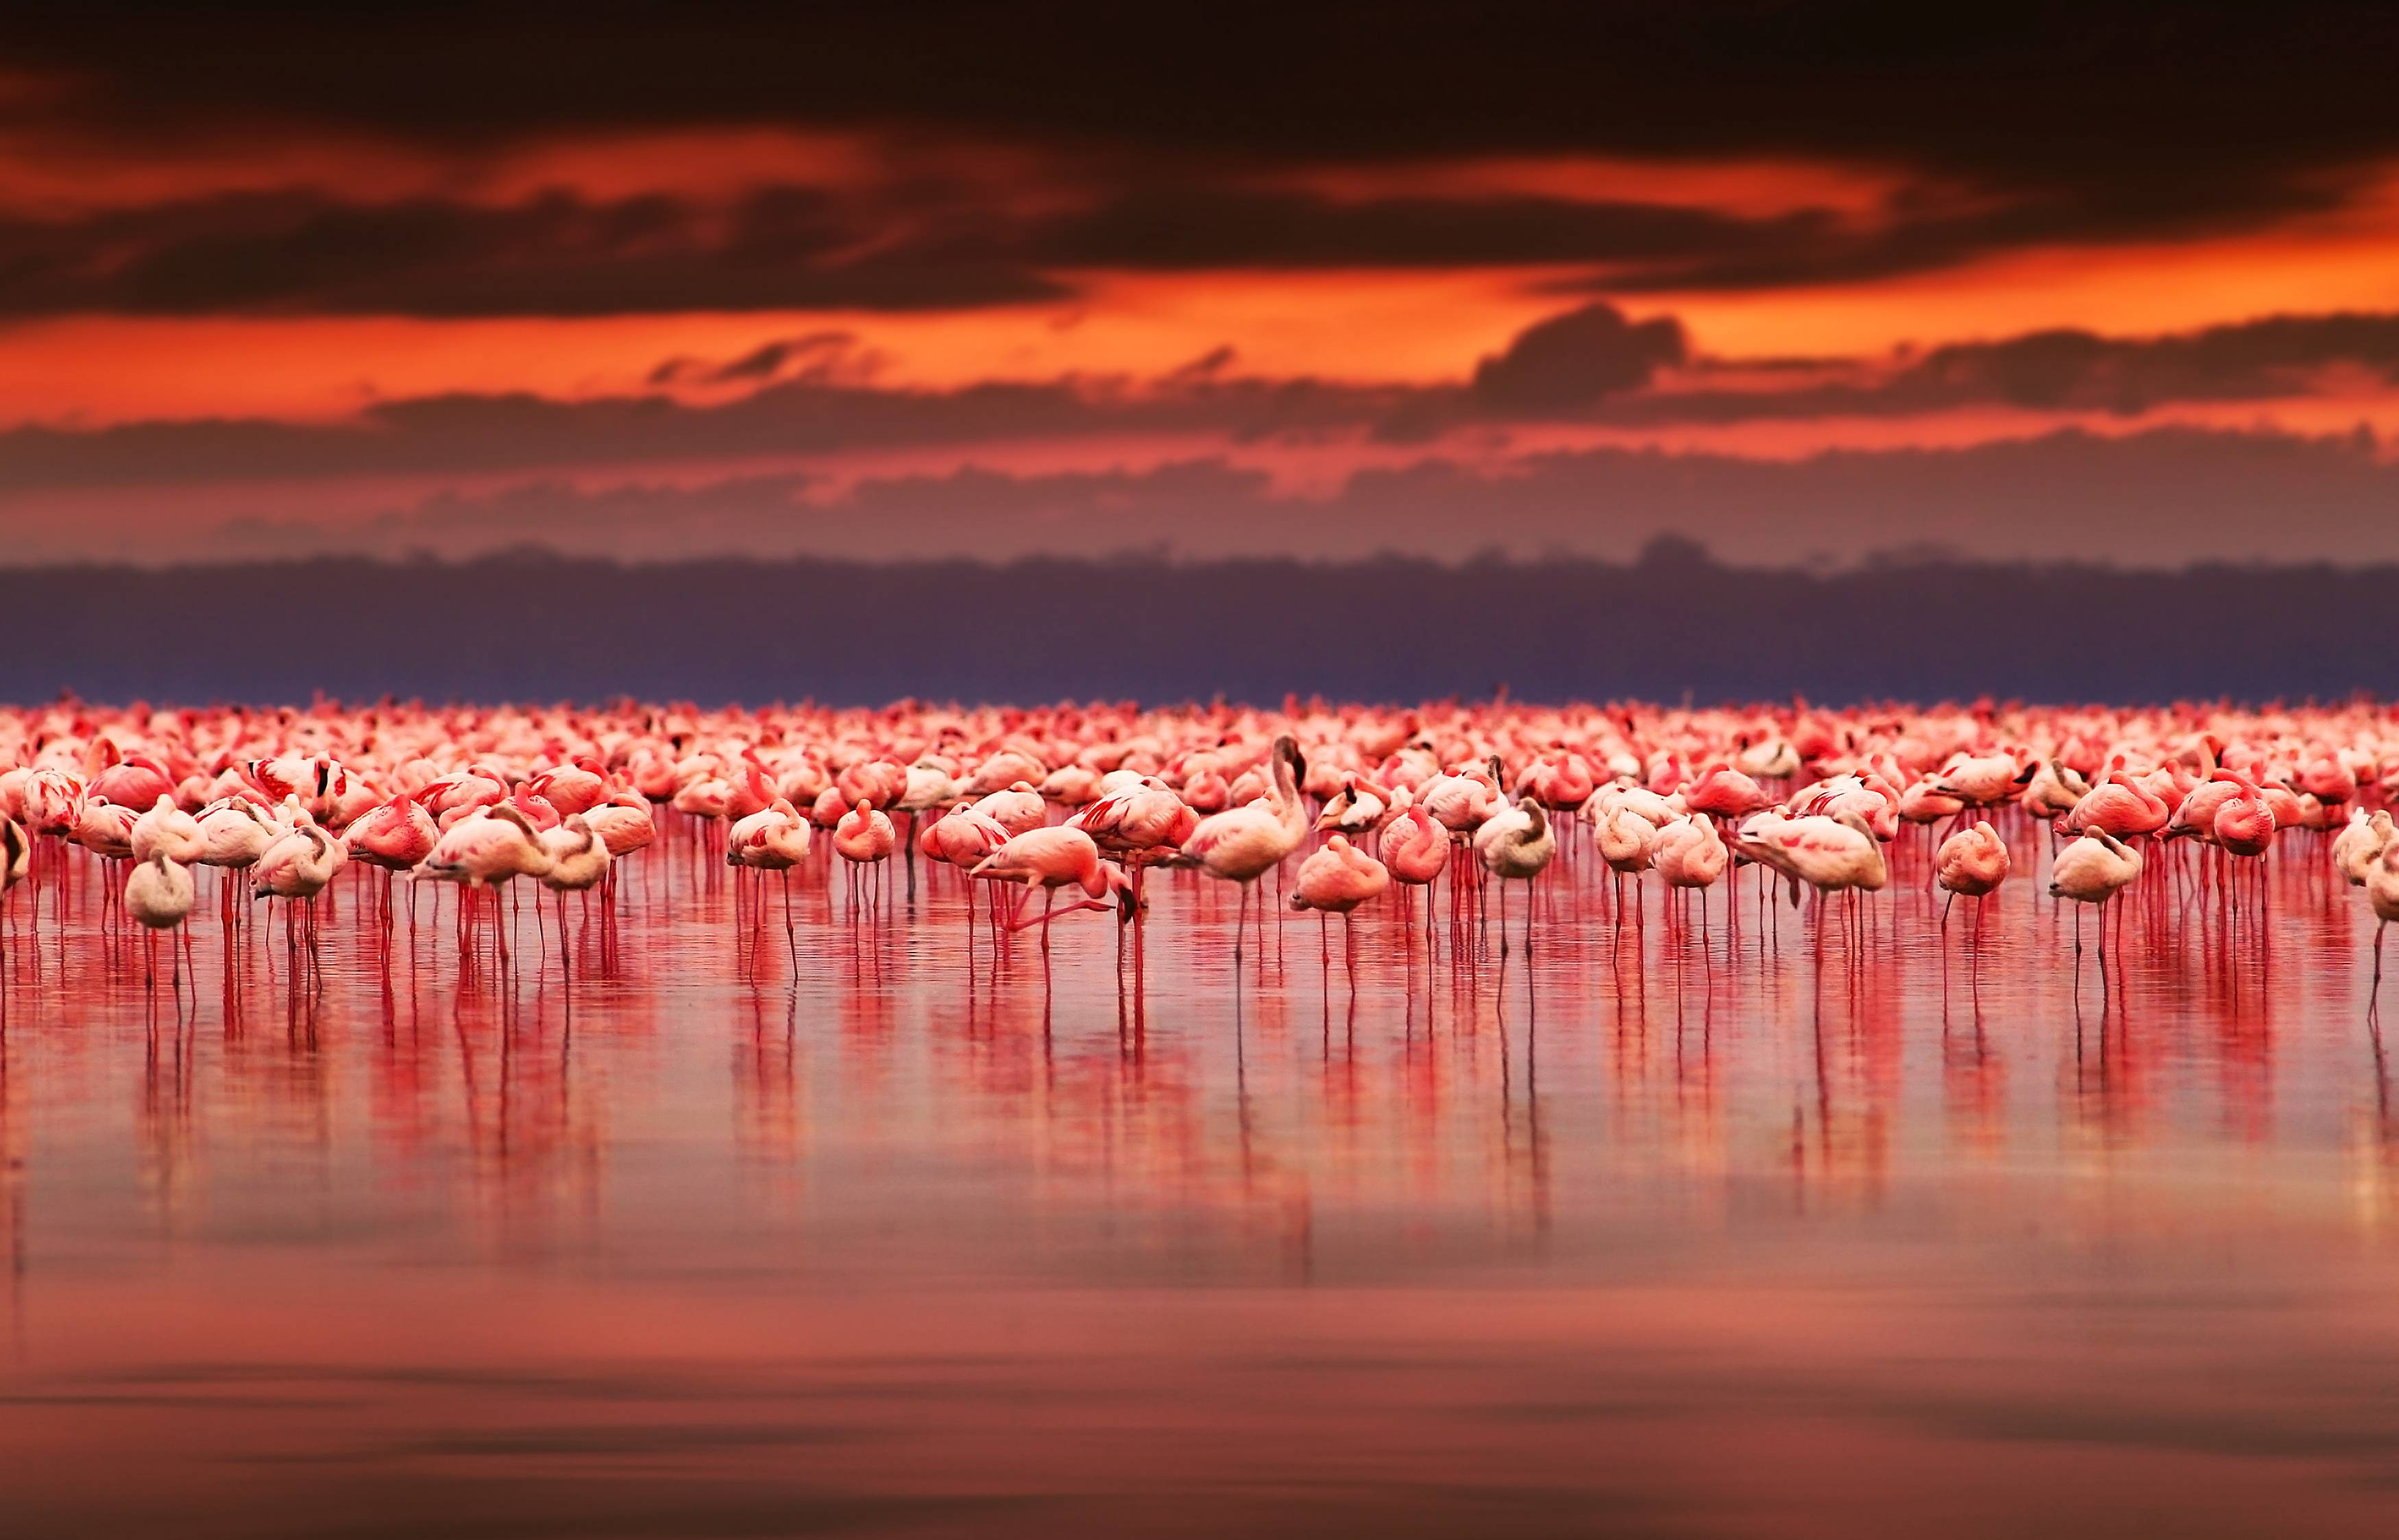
(1683, 1227)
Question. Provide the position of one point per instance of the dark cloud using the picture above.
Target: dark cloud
(943, 246)
(555, 255)
(819, 356)
(1577, 358)
(1194, 226)
(1633, 248)
(1586, 366)
(2061, 370)
(2058, 123)
(299, 251)
(466, 433)
(2131, 94)
(1207, 366)
(2165, 497)
(2068, 369)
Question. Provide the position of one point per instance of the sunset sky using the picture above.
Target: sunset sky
(1807, 282)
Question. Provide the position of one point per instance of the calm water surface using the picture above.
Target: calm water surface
(1654, 1236)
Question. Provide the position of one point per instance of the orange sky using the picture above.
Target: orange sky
(281, 260)
(1350, 324)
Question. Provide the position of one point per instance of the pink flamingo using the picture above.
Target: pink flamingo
(863, 838)
(1689, 854)
(483, 853)
(1335, 880)
(1243, 843)
(1416, 850)
(773, 839)
(1046, 861)
(2091, 871)
(1516, 844)
(1972, 862)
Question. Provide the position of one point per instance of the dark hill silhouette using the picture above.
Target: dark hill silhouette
(1674, 623)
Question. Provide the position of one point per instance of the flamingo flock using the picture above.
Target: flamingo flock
(1747, 805)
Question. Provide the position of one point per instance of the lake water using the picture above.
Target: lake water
(1656, 1235)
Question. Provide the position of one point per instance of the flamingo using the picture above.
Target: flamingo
(2053, 789)
(236, 832)
(623, 822)
(1689, 854)
(2122, 807)
(1972, 862)
(1627, 843)
(1335, 880)
(575, 859)
(2382, 896)
(483, 853)
(962, 838)
(15, 858)
(1830, 853)
(1139, 823)
(52, 800)
(2091, 871)
(1984, 780)
(295, 868)
(1720, 791)
(773, 839)
(1516, 844)
(159, 895)
(1414, 851)
(1359, 808)
(136, 781)
(1243, 843)
(863, 838)
(2360, 841)
(571, 789)
(1046, 861)
(1835, 852)
(1016, 807)
(924, 786)
(167, 830)
(393, 837)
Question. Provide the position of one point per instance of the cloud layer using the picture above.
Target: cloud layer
(1810, 281)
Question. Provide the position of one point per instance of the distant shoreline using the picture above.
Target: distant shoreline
(1676, 623)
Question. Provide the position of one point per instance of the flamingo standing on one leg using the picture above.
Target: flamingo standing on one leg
(2382, 896)
(1627, 843)
(1972, 862)
(1141, 824)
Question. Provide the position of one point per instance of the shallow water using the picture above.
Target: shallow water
(1657, 1235)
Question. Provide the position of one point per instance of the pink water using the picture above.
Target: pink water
(1647, 1237)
